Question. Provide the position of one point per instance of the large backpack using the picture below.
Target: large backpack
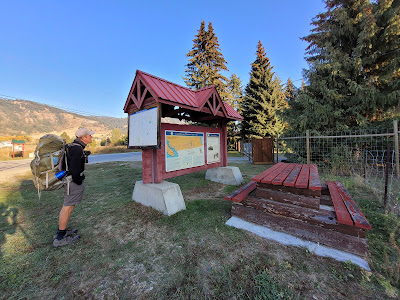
(48, 161)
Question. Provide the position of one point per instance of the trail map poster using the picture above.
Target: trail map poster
(183, 150)
(213, 148)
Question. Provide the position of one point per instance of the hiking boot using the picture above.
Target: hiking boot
(70, 232)
(66, 240)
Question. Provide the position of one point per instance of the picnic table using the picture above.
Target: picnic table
(290, 198)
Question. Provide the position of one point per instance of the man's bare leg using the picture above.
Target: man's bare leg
(65, 214)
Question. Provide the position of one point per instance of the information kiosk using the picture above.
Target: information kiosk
(170, 150)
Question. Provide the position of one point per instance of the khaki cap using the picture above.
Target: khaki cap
(83, 131)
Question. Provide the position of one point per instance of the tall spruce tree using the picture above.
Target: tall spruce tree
(234, 98)
(263, 99)
(352, 66)
(195, 69)
(235, 92)
(206, 62)
(290, 91)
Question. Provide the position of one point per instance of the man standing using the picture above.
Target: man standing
(73, 190)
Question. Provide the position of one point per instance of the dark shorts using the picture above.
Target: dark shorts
(75, 193)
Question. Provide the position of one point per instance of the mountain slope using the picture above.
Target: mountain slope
(22, 117)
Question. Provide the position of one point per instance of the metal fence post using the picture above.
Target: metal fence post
(387, 167)
(308, 145)
(396, 146)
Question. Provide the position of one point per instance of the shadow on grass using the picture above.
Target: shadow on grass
(129, 251)
(8, 223)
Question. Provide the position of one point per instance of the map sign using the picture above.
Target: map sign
(213, 148)
(183, 150)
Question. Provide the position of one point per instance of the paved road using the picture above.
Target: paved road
(129, 156)
(9, 169)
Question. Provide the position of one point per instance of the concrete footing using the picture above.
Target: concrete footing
(165, 196)
(225, 175)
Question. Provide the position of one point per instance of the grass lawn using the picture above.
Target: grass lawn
(128, 251)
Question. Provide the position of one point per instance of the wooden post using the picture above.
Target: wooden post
(13, 150)
(396, 146)
(308, 145)
(147, 165)
(23, 150)
(277, 150)
(224, 144)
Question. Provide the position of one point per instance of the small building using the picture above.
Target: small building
(18, 145)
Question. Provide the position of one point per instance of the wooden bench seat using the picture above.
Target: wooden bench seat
(346, 209)
(291, 175)
(241, 193)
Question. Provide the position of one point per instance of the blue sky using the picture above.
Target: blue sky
(83, 55)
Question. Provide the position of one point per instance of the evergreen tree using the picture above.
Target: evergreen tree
(235, 92)
(290, 91)
(352, 66)
(234, 98)
(263, 99)
(195, 69)
(206, 62)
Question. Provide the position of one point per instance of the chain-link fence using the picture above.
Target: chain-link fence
(372, 155)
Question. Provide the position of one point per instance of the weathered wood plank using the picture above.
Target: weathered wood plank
(290, 189)
(325, 190)
(242, 192)
(342, 214)
(302, 180)
(271, 176)
(260, 176)
(314, 181)
(303, 230)
(291, 179)
(326, 200)
(355, 213)
(324, 218)
(290, 198)
(278, 180)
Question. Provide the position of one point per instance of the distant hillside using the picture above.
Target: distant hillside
(21, 117)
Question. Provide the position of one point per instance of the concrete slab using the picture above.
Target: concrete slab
(290, 240)
(165, 196)
(225, 175)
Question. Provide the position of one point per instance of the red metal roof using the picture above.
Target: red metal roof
(231, 112)
(170, 91)
(203, 94)
(167, 90)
